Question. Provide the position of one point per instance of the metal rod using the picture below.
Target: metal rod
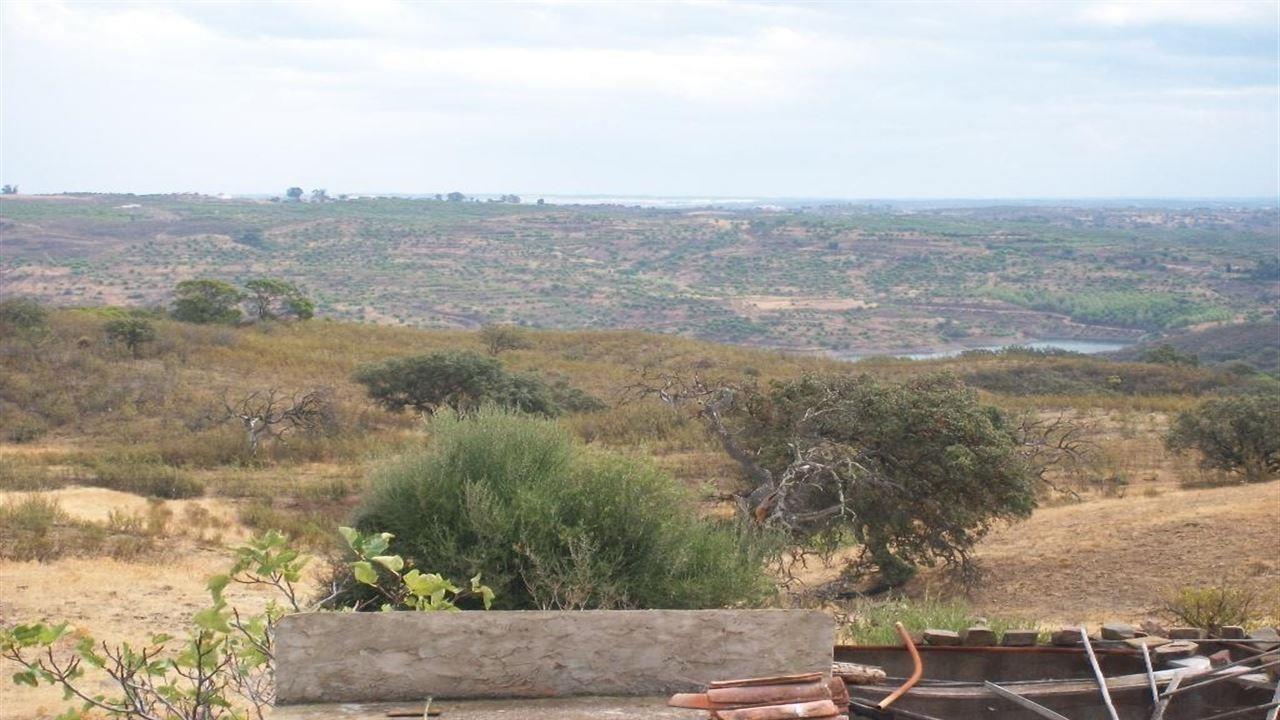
(1236, 713)
(1151, 675)
(1275, 697)
(1158, 713)
(1097, 672)
(1219, 678)
(916, 673)
(1015, 698)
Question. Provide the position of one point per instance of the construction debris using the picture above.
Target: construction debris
(776, 698)
(857, 674)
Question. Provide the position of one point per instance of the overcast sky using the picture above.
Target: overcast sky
(866, 100)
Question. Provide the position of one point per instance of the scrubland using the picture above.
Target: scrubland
(122, 482)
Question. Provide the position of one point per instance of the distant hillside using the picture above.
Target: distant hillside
(1255, 343)
(832, 279)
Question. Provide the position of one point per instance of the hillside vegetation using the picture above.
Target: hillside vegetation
(845, 279)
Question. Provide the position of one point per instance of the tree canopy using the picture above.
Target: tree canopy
(207, 301)
(132, 332)
(462, 381)
(276, 299)
(913, 473)
(1235, 433)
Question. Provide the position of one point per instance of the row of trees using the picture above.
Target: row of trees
(215, 301)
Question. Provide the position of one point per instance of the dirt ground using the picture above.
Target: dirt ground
(1113, 558)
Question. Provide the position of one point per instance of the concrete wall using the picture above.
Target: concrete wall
(366, 657)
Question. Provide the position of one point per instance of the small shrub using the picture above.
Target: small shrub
(25, 430)
(1210, 607)
(146, 479)
(550, 524)
(16, 474)
(500, 338)
(36, 527)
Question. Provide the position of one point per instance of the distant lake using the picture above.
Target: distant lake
(1087, 347)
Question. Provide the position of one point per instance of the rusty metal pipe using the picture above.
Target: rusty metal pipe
(916, 673)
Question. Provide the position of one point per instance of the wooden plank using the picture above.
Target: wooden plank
(1017, 699)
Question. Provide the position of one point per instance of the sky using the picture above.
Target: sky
(716, 99)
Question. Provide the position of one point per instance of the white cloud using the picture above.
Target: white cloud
(1179, 12)
(867, 99)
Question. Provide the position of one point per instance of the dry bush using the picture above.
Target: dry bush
(1211, 607)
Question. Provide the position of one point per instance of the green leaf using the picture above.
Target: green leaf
(364, 572)
(212, 619)
(377, 544)
(27, 677)
(217, 584)
(394, 563)
(351, 536)
(429, 585)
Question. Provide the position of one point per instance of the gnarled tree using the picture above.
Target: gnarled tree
(271, 414)
(912, 473)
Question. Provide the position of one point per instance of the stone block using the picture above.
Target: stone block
(1151, 641)
(941, 637)
(1175, 650)
(978, 637)
(394, 656)
(1232, 632)
(1066, 637)
(1020, 638)
(1117, 631)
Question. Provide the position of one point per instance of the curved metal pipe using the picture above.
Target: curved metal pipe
(916, 673)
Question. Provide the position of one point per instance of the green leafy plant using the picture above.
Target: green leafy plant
(222, 669)
(412, 589)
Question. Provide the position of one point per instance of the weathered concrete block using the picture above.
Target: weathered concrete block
(941, 637)
(367, 657)
(1020, 638)
(1117, 631)
(1185, 633)
(1150, 641)
(1176, 650)
(1066, 637)
(978, 637)
(1266, 634)
(1232, 632)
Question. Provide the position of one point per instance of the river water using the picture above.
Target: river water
(1087, 347)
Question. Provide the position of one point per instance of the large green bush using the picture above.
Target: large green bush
(552, 524)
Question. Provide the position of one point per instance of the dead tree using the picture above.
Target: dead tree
(811, 491)
(271, 414)
(1059, 445)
